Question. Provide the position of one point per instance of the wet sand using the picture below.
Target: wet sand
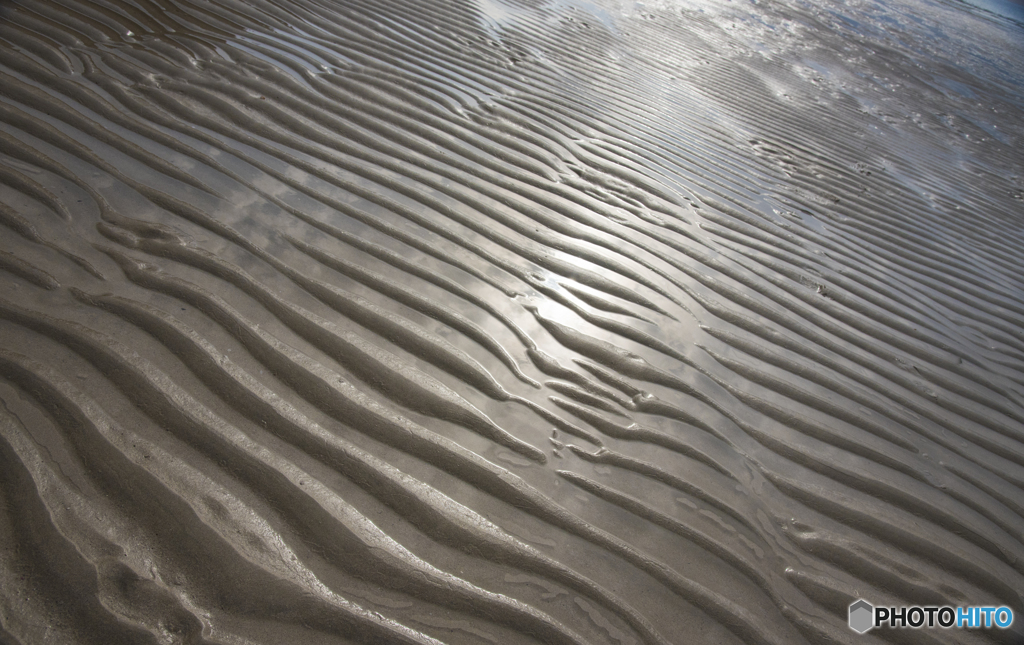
(508, 322)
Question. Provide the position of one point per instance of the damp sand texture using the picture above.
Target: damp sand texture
(508, 321)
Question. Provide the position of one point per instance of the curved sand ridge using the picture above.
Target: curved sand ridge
(426, 322)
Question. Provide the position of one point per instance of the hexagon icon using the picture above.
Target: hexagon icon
(862, 616)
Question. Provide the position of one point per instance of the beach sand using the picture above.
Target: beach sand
(503, 321)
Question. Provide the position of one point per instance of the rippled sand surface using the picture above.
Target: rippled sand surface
(502, 321)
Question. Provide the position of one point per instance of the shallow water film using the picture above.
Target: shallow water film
(510, 321)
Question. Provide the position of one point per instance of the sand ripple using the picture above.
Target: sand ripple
(507, 322)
